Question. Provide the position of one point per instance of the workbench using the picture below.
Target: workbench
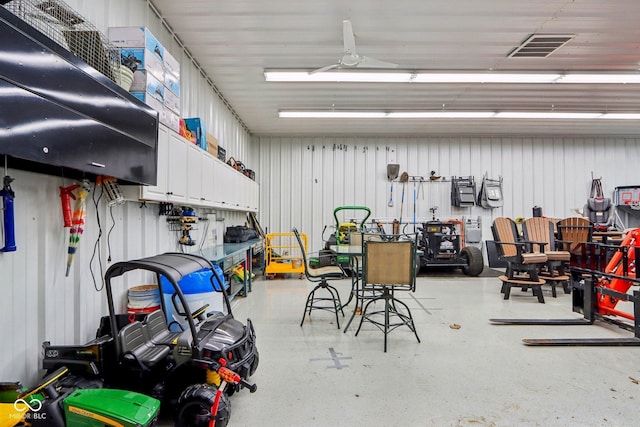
(229, 255)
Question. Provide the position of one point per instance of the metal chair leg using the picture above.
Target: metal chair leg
(312, 300)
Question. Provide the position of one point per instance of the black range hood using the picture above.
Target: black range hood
(60, 116)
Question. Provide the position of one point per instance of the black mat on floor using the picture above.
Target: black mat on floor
(455, 272)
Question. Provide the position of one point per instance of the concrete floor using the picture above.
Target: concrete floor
(478, 375)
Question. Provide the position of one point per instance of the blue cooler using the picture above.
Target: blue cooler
(197, 291)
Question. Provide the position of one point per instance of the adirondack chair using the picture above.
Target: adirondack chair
(541, 230)
(522, 261)
(573, 233)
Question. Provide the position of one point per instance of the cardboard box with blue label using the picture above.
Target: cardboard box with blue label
(144, 82)
(172, 120)
(172, 101)
(127, 37)
(142, 59)
(172, 83)
(171, 65)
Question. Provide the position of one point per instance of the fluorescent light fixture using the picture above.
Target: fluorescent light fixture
(337, 76)
(454, 77)
(333, 114)
(545, 115)
(440, 114)
(600, 78)
(621, 116)
(374, 76)
(526, 115)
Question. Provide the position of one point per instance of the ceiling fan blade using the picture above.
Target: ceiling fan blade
(367, 62)
(348, 39)
(323, 69)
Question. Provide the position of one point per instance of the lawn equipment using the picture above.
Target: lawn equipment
(139, 352)
(598, 286)
(344, 229)
(61, 399)
(442, 245)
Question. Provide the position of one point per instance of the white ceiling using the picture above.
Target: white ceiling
(234, 41)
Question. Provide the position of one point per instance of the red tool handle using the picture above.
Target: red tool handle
(66, 194)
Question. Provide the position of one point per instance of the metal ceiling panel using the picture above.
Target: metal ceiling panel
(235, 41)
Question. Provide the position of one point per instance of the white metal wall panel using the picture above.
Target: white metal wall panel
(39, 302)
(304, 178)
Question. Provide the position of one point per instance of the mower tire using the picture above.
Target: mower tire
(194, 407)
(475, 263)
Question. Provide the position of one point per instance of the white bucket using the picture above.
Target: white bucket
(124, 77)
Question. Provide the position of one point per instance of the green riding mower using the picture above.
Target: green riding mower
(62, 399)
(341, 236)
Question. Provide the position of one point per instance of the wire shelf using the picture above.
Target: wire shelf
(59, 22)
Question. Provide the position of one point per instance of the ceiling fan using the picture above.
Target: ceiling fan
(350, 59)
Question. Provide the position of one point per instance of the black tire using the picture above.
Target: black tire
(475, 263)
(194, 407)
(254, 364)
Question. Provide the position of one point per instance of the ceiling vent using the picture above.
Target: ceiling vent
(540, 45)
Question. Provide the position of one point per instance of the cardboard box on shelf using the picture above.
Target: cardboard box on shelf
(196, 126)
(172, 83)
(144, 59)
(144, 82)
(212, 145)
(186, 133)
(171, 65)
(172, 120)
(172, 101)
(136, 37)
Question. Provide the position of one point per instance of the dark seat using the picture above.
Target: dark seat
(389, 266)
(321, 276)
(159, 332)
(599, 211)
(137, 346)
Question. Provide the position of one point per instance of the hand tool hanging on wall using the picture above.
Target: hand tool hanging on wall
(8, 215)
(392, 173)
(415, 199)
(66, 194)
(403, 179)
(77, 223)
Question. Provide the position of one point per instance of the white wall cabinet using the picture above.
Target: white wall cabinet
(177, 170)
(189, 175)
(194, 175)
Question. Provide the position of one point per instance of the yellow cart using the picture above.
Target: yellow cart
(283, 254)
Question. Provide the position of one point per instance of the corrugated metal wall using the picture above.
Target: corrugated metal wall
(302, 179)
(38, 302)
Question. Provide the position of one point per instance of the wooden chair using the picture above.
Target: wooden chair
(321, 276)
(389, 266)
(541, 230)
(522, 262)
(573, 232)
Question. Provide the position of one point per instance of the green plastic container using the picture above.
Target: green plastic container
(97, 407)
(9, 392)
